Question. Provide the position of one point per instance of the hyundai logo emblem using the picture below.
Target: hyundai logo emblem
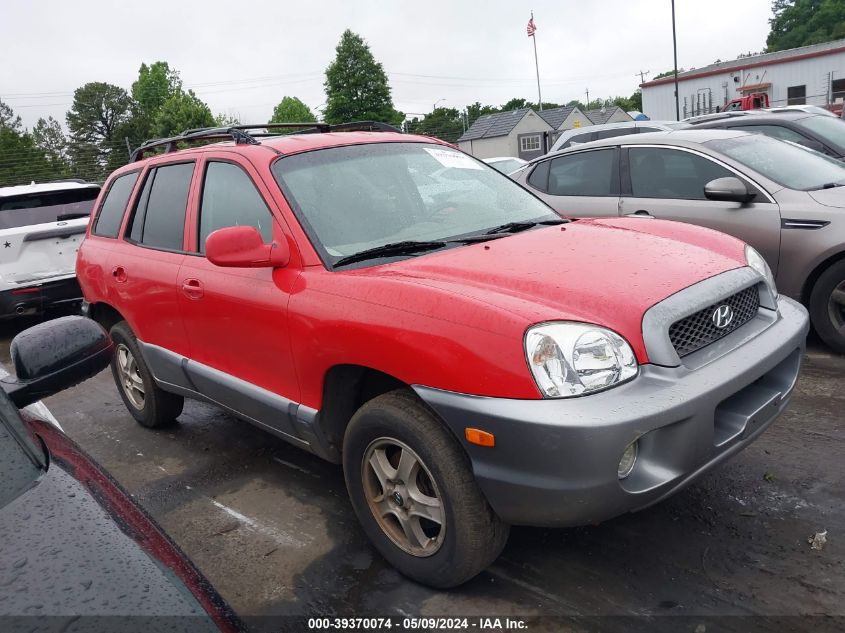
(723, 316)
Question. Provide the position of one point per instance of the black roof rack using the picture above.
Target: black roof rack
(240, 134)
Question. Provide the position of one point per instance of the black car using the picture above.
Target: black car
(820, 132)
(76, 552)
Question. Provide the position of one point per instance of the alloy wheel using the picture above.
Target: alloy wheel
(130, 378)
(403, 497)
(836, 308)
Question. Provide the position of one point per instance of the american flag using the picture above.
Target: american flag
(531, 27)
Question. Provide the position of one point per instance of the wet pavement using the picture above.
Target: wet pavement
(272, 528)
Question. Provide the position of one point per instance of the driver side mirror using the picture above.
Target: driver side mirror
(243, 247)
(56, 355)
(730, 189)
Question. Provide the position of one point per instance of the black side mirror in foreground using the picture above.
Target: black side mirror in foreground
(55, 355)
(728, 189)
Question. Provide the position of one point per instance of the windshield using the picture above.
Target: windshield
(830, 129)
(359, 197)
(19, 464)
(785, 163)
(50, 206)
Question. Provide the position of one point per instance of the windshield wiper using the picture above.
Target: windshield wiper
(408, 247)
(831, 185)
(516, 227)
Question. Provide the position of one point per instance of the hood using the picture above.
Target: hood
(833, 197)
(607, 272)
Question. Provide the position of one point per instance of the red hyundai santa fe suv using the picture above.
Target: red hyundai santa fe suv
(473, 360)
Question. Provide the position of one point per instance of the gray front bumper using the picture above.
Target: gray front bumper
(555, 461)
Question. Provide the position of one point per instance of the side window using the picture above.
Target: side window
(646, 130)
(229, 198)
(583, 174)
(159, 220)
(539, 178)
(111, 213)
(775, 131)
(669, 173)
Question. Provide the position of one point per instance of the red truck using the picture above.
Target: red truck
(473, 359)
(754, 101)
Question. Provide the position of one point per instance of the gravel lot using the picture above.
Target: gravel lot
(271, 526)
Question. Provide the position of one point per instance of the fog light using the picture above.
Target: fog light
(629, 458)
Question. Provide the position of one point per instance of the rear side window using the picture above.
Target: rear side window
(583, 174)
(229, 198)
(159, 220)
(111, 213)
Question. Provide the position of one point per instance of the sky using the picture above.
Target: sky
(243, 57)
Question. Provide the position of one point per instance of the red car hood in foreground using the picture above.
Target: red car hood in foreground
(607, 272)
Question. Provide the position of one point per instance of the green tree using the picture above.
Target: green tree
(180, 112)
(356, 85)
(21, 161)
(802, 22)
(443, 123)
(476, 110)
(291, 110)
(156, 84)
(225, 120)
(99, 110)
(50, 139)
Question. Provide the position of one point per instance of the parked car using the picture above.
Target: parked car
(820, 132)
(505, 164)
(41, 226)
(812, 109)
(473, 362)
(581, 135)
(77, 552)
(784, 200)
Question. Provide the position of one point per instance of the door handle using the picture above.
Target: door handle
(642, 213)
(192, 288)
(119, 273)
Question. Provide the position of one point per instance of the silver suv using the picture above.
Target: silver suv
(579, 135)
(787, 201)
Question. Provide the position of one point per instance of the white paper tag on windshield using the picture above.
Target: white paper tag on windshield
(448, 158)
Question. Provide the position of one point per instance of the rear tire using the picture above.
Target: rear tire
(429, 519)
(149, 405)
(827, 307)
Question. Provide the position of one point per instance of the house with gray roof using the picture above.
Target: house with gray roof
(612, 114)
(564, 118)
(523, 133)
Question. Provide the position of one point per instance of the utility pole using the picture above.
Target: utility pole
(532, 29)
(642, 75)
(675, 48)
(588, 99)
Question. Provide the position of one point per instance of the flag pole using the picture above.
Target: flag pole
(537, 66)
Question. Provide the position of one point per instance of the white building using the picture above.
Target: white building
(808, 75)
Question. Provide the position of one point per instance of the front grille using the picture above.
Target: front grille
(698, 330)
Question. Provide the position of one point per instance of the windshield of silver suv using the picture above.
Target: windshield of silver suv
(785, 163)
(414, 196)
(829, 129)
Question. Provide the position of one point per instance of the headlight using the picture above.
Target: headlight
(756, 261)
(569, 359)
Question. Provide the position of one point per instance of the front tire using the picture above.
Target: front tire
(149, 405)
(827, 307)
(414, 492)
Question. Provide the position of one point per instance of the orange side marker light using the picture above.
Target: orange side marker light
(479, 437)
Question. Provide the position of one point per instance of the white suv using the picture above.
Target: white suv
(41, 226)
